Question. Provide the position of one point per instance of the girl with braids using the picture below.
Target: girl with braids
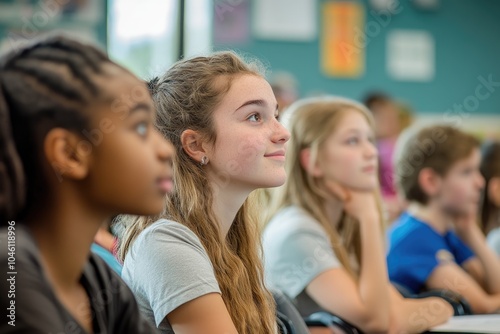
(196, 268)
(57, 186)
(323, 243)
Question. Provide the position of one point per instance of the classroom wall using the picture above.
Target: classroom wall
(22, 21)
(467, 36)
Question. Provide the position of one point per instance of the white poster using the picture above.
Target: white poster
(411, 55)
(292, 20)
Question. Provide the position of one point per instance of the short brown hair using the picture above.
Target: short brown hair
(438, 147)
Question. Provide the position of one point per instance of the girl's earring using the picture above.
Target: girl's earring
(204, 160)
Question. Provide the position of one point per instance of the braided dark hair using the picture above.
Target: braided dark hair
(43, 85)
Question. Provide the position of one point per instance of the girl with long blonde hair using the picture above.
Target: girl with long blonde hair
(323, 244)
(197, 268)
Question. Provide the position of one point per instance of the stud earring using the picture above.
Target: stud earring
(204, 160)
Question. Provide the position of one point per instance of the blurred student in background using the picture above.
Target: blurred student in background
(437, 243)
(323, 244)
(285, 89)
(490, 206)
(389, 117)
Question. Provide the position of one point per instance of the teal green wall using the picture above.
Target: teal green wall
(42, 19)
(467, 36)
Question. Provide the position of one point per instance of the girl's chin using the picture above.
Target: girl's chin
(274, 183)
(364, 187)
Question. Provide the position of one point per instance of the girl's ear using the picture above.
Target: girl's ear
(429, 181)
(312, 167)
(493, 191)
(193, 145)
(67, 153)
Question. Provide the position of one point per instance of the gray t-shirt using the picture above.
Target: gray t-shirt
(296, 250)
(494, 240)
(167, 266)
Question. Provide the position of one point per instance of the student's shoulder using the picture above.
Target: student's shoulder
(20, 248)
(293, 225)
(120, 310)
(293, 219)
(168, 237)
(165, 229)
(407, 228)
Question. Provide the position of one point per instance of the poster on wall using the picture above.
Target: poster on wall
(231, 22)
(281, 20)
(342, 44)
(15, 38)
(22, 21)
(410, 55)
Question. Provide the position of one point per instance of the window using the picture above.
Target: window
(144, 36)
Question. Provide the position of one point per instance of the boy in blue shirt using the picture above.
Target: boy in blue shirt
(437, 243)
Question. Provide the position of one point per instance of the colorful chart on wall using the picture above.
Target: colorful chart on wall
(342, 43)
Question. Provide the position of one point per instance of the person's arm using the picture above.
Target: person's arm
(337, 292)
(204, 315)
(364, 303)
(450, 276)
(417, 315)
(486, 270)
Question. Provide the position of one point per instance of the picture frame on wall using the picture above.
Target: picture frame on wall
(21, 21)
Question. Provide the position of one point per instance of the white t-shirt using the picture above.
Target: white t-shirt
(167, 266)
(296, 250)
(494, 240)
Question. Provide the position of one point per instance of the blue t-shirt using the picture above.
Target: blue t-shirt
(108, 257)
(416, 249)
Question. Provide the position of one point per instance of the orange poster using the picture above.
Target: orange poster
(342, 40)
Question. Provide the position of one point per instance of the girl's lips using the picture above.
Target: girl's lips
(278, 155)
(166, 185)
(369, 169)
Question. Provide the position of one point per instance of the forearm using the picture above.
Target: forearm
(418, 315)
(491, 304)
(373, 279)
(488, 259)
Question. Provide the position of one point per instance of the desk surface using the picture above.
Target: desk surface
(470, 324)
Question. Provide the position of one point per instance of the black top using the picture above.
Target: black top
(28, 301)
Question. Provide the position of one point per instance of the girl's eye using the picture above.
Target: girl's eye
(467, 171)
(352, 141)
(254, 118)
(142, 129)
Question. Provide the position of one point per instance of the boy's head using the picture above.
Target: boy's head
(439, 165)
(385, 113)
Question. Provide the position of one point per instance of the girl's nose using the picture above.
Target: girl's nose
(281, 134)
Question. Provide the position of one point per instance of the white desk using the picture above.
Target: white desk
(470, 324)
